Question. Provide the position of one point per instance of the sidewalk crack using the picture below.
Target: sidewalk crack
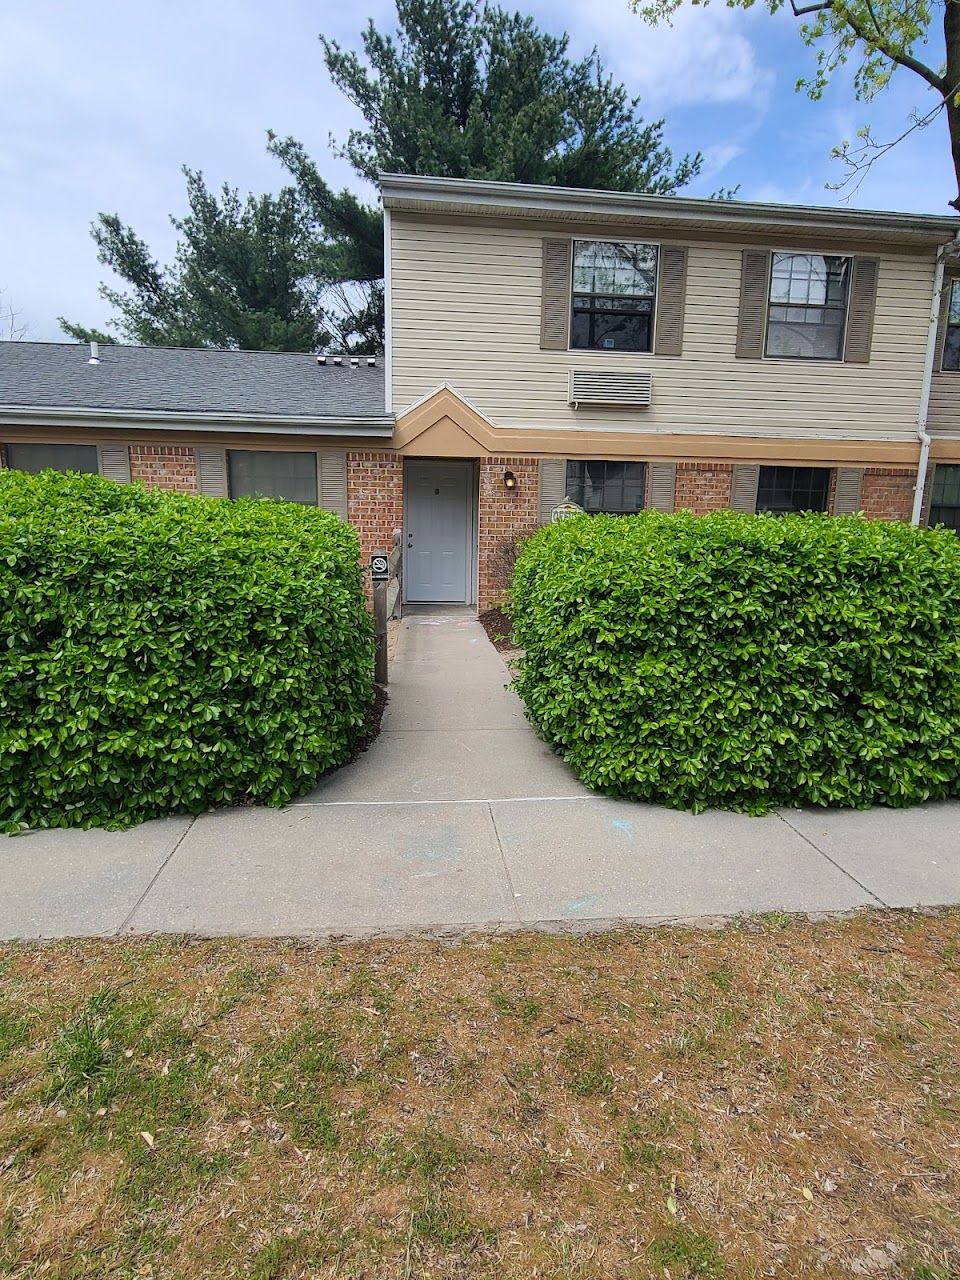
(503, 862)
(154, 878)
(833, 862)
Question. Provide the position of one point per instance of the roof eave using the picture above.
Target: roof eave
(503, 198)
(144, 420)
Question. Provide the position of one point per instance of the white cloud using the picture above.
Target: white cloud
(705, 57)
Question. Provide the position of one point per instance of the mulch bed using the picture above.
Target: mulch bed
(498, 628)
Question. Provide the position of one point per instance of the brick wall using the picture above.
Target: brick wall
(375, 498)
(888, 493)
(703, 486)
(164, 466)
(505, 516)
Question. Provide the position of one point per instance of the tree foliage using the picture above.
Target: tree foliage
(243, 276)
(467, 90)
(877, 37)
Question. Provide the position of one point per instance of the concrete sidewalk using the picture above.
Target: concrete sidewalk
(458, 816)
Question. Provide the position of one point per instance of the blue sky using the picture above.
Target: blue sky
(101, 104)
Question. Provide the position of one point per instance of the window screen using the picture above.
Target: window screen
(783, 490)
(808, 306)
(273, 474)
(57, 457)
(614, 487)
(945, 497)
(614, 286)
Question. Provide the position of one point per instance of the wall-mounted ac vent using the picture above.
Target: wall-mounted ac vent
(634, 390)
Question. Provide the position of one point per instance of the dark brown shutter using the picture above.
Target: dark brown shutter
(671, 298)
(861, 310)
(846, 492)
(752, 321)
(212, 472)
(553, 486)
(743, 490)
(661, 485)
(555, 295)
(332, 482)
(114, 460)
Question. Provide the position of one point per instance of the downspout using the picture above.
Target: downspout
(387, 312)
(931, 354)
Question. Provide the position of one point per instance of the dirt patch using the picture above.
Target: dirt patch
(780, 1098)
(500, 634)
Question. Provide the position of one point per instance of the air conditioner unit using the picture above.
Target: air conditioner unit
(605, 386)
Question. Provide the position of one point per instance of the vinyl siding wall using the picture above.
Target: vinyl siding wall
(466, 310)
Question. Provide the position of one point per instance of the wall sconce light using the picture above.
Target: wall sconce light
(509, 480)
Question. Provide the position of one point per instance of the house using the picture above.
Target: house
(622, 351)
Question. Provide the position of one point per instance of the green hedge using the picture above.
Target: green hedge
(164, 653)
(745, 661)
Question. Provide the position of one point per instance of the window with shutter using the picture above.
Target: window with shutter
(786, 490)
(615, 488)
(614, 290)
(807, 306)
(55, 457)
(273, 473)
(950, 327)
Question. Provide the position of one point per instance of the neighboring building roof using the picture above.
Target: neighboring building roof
(287, 390)
(467, 196)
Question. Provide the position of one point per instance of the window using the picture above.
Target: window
(783, 490)
(808, 306)
(273, 474)
(58, 457)
(951, 341)
(945, 497)
(614, 487)
(614, 286)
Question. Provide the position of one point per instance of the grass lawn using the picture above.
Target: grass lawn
(776, 1099)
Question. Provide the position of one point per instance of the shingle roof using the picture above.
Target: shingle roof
(189, 381)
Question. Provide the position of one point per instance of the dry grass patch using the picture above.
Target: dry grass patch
(779, 1099)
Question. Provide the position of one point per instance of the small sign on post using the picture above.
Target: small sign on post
(379, 566)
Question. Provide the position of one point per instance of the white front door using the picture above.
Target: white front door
(437, 534)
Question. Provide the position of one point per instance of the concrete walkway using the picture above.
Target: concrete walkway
(458, 816)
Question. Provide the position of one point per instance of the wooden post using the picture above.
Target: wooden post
(380, 668)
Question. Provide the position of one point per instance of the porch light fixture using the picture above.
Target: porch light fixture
(509, 480)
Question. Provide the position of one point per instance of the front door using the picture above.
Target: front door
(437, 535)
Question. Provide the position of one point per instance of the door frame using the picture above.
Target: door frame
(471, 523)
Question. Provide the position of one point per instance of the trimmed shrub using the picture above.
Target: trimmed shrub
(745, 661)
(164, 653)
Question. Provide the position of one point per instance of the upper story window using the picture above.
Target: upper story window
(945, 498)
(786, 490)
(614, 289)
(58, 457)
(616, 488)
(273, 473)
(951, 341)
(808, 306)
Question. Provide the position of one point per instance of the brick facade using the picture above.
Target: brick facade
(164, 466)
(375, 498)
(888, 493)
(703, 486)
(505, 516)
